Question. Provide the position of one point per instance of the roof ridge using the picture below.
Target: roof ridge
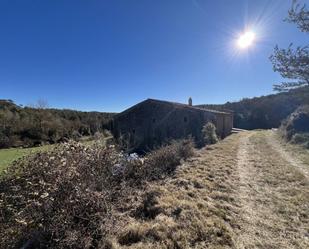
(170, 103)
(187, 106)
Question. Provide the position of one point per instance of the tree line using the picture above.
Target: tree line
(29, 126)
(264, 112)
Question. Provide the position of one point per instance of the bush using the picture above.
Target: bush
(209, 133)
(164, 161)
(64, 198)
(300, 138)
(4, 141)
(295, 128)
(184, 148)
(58, 199)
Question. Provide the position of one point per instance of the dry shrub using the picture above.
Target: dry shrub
(209, 133)
(63, 198)
(149, 208)
(164, 161)
(295, 128)
(300, 138)
(58, 197)
(131, 236)
(296, 123)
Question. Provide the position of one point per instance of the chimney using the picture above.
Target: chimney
(190, 101)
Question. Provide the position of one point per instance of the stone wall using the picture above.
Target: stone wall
(151, 123)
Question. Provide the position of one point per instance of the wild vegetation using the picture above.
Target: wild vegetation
(27, 126)
(209, 133)
(249, 190)
(69, 197)
(265, 112)
(295, 128)
(293, 64)
(242, 192)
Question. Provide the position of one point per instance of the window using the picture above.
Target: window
(153, 120)
(133, 131)
(185, 119)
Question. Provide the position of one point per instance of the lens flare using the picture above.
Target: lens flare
(246, 40)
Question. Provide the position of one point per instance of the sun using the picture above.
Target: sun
(246, 40)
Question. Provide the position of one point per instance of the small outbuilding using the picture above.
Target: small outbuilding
(152, 122)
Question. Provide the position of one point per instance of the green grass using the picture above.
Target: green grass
(7, 156)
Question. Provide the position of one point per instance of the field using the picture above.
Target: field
(7, 156)
(250, 190)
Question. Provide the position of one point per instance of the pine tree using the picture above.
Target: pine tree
(293, 63)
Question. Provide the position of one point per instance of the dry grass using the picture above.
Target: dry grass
(70, 197)
(274, 196)
(239, 193)
(220, 200)
(190, 210)
(297, 151)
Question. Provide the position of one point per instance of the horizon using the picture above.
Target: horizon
(33, 105)
(109, 55)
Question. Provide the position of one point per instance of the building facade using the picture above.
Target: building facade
(151, 123)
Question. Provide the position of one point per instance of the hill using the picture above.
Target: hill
(264, 112)
(26, 126)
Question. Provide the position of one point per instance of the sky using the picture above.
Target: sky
(106, 55)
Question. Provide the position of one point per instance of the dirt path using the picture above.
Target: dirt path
(273, 193)
(246, 198)
(292, 160)
(244, 192)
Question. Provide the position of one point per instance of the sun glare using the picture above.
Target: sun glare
(246, 40)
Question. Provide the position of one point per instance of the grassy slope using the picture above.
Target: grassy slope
(240, 193)
(192, 209)
(296, 150)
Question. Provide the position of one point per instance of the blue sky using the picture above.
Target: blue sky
(107, 55)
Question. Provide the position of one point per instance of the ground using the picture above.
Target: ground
(248, 191)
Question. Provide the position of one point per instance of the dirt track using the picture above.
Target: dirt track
(245, 192)
(273, 195)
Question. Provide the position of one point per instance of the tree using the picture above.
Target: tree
(293, 63)
(299, 15)
(41, 104)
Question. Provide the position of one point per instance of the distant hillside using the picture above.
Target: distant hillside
(24, 126)
(264, 112)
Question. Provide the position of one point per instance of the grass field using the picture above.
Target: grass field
(7, 156)
(240, 193)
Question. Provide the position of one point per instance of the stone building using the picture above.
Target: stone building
(152, 122)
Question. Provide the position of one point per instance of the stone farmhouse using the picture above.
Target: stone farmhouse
(152, 122)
